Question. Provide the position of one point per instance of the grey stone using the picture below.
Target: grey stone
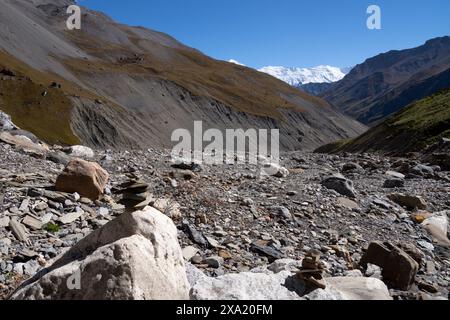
(70, 217)
(394, 183)
(340, 184)
(351, 288)
(189, 252)
(135, 257)
(244, 286)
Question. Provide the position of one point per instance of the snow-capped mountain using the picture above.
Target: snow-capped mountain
(300, 76)
(236, 62)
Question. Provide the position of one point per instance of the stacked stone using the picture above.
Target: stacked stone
(312, 271)
(135, 194)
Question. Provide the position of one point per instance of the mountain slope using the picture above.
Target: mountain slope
(412, 129)
(386, 83)
(125, 87)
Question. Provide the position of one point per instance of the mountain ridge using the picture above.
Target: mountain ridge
(131, 87)
(385, 79)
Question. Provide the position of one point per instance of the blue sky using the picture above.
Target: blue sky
(292, 33)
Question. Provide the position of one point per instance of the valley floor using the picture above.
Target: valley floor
(227, 212)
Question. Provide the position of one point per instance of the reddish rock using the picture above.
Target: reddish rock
(410, 202)
(399, 269)
(88, 179)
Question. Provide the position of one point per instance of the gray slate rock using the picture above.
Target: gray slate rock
(340, 184)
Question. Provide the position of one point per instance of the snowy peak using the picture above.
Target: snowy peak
(300, 76)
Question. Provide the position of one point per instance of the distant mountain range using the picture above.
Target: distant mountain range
(386, 83)
(297, 77)
(314, 81)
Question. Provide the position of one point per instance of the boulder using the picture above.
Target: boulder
(340, 184)
(283, 285)
(24, 143)
(80, 152)
(351, 288)
(135, 257)
(243, 286)
(423, 171)
(275, 170)
(351, 167)
(399, 269)
(408, 201)
(437, 226)
(87, 179)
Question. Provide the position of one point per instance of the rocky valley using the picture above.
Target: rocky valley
(243, 233)
(96, 205)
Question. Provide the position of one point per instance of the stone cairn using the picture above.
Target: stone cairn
(135, 194)
(312, 271)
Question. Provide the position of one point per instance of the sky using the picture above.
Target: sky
(291, 33)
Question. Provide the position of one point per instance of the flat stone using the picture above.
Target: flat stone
(267, 251)
(196, 236)
(103, 211)
(225, 254)
(24, 205)
(4, 222)
(19, 230)
(351, 289)
(382, 204)
(41, 206)
(32, 222)
(70, 217)
(47, 218)
(213, 262)
(212, 242)
(395, 174)
(347, 203)
(408, 201)
(189, 252)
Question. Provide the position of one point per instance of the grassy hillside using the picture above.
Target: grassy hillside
(33, 105)
(412, 129)
(241, 88)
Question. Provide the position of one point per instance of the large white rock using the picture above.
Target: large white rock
(81, 152)
(136, 256)
(351, 288)
(437, 226)
(284, 285)
(242, 286)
